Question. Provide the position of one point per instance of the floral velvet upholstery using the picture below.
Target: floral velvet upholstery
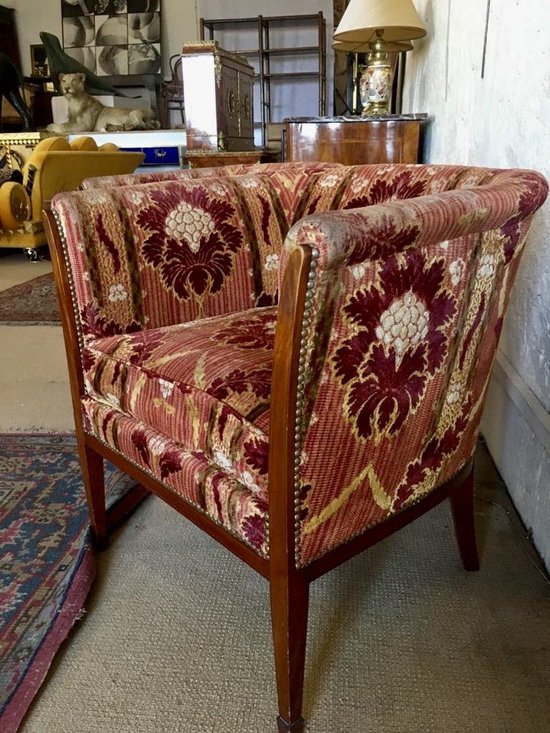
(293, 356)
(235, 169)
(175, 285)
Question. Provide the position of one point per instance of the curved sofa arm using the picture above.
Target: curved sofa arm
(402, 312)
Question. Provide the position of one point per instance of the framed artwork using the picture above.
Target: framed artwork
(113, 37)
(39, 60)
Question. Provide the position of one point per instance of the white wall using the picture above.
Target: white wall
(500, 120)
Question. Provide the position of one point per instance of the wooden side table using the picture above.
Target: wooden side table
(353, 140)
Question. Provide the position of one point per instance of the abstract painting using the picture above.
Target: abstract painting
(113, 37)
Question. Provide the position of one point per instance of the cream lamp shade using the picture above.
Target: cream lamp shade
(372, 25)
(398, 20)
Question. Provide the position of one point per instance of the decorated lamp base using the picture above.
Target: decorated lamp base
(375, 85)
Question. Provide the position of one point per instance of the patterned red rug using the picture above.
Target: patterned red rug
(33, 302)
(47, 564)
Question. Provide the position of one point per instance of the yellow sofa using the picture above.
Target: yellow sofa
(55, 165)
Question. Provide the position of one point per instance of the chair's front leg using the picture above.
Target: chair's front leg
(289, 613)
(91, 464)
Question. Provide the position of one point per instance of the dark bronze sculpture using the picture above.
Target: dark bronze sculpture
(60, 62)
(10, 82)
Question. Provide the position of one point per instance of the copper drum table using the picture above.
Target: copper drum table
(353, 140)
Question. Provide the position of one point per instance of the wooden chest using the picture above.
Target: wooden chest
(218, 98)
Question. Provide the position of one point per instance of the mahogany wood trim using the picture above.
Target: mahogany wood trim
(289, 588)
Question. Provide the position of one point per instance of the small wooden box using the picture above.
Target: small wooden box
(218, 98)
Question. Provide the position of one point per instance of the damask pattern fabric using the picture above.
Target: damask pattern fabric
(176, 284)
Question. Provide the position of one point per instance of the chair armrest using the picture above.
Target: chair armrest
(402, 312)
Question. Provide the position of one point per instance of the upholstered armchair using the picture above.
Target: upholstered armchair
(55, 165)
(296, 360)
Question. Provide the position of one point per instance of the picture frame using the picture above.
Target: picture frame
(39, 61)
(113, 37)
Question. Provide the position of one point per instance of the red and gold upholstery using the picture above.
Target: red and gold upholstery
(299, 352)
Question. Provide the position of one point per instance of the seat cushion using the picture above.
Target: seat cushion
(189, 404)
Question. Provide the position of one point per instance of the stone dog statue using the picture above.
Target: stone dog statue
(86, 113)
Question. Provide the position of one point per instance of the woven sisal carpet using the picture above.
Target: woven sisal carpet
(32, 302)
(176, 638)
(46, 563)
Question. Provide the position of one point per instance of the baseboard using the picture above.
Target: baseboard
(516, 427)
(529, 406)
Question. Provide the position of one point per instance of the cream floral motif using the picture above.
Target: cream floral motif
(189, 223)
(117, 292)
(358, 271)
(454, 393)
(157, 445)
(456, 271)
(223, 461)
(136, 197)
(487, 266)
(249, 183)
(166, 388)
(444, 245)
(219, 190)
(330, 181)
(272, 262)
(248, 480)
(404, 323)
(112, 399)
(357, 186)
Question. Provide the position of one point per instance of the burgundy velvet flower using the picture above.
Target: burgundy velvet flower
(398, 343)
(189, 239)
(254, 332)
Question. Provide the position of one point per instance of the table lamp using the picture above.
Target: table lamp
(375, 23)
(355, 48)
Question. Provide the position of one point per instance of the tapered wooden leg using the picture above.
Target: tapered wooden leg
(289, 612)
(462, 505)
(91, 464)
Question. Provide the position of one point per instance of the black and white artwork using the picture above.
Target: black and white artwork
(113, 37)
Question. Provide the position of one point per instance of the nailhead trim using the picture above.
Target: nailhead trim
(299, 427)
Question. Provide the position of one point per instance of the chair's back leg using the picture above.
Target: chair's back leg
(289, 613)
(93, 476)
(462, 506)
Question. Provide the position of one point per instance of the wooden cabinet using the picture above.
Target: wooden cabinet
(352, 140)
(264, 41)
(218, 98)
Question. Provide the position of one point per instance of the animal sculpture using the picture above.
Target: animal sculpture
(86, 113)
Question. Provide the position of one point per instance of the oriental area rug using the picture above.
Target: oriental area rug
(32, 302)
(47, 563)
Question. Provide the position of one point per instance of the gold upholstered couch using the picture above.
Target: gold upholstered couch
(55, 165)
